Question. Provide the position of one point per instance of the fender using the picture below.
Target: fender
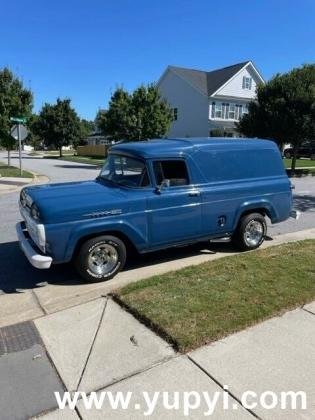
(262, 204)
(92, 227)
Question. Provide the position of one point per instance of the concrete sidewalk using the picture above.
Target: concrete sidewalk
(45, 299)
(11, 184)
(97, 346)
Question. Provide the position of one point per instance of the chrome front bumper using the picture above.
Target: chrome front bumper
(37, 260)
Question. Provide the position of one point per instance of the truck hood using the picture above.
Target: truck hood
(77, 200)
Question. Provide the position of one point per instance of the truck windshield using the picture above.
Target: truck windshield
(125, 171)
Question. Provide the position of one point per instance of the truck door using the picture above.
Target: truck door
(174, 212)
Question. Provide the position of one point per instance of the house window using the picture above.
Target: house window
(226, 111)
(212, 110)
(218, 110)
(175, 114)
(247, 82)
(238, 114)
(232, 112)
(223, 110)
(245, 109)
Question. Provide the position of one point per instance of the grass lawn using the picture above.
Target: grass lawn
(91, 160)
(12, 171)
(56, 152)
(300, 163)
(197, 305)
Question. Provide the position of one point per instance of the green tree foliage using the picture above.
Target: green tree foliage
(58, 125)
(15, 101)
(285, 109)
(33, 139)
(100, 121)
(140, 115)
(86, 128)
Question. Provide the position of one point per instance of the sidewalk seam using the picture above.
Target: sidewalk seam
(36, 298)
(139, 372)
(306, 310)
(222, 387)
(92, 345)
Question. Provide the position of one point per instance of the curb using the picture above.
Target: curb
(38, 179)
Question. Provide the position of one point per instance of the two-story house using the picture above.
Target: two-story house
(208, 103)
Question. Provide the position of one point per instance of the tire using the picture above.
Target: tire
(100, 258)
(250, 232)
(287, 155)
(313, 156)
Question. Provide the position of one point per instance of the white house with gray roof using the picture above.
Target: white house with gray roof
(208, 103)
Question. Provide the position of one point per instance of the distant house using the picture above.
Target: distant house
(96, 139)
(208, 103)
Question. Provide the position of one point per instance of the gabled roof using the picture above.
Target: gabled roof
(208, 82)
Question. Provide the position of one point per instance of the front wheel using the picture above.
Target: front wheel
(100, 258)
(251, 232)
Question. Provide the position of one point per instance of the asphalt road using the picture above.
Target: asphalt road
(55, 170)
(17, 273)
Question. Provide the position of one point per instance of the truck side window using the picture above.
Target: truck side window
(174, 170)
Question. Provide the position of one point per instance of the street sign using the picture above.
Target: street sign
(15, 132)
(19, 120)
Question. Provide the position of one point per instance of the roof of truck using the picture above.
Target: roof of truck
(181, 146)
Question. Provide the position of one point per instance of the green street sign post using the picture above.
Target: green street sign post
(18, 121)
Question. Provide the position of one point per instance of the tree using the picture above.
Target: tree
(86, 128)
(58, 125)
(140, 115)
(33, 138)
(15, 101)
(116, 121)
(284, 110)
(100, 121)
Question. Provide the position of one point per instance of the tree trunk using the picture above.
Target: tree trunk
(60, 151)
(294, 158)
(9, 157)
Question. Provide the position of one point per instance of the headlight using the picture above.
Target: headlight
(35, 212)
(23, 198)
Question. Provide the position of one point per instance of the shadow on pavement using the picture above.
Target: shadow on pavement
(304, 202)
(79, 166)
(17, 274)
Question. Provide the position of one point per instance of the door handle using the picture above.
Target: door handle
(194, 193)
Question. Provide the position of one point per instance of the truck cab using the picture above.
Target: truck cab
(156, 194)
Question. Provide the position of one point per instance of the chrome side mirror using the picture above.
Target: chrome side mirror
(164, 184)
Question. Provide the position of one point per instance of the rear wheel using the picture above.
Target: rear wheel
(101, 258)
(251, 232)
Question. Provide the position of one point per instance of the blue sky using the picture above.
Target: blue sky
(84, 49)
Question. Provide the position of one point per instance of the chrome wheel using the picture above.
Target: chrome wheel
(103, 259)
(253, 233)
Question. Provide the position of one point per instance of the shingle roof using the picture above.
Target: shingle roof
(208, 81)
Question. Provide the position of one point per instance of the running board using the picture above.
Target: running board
(225, 239)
